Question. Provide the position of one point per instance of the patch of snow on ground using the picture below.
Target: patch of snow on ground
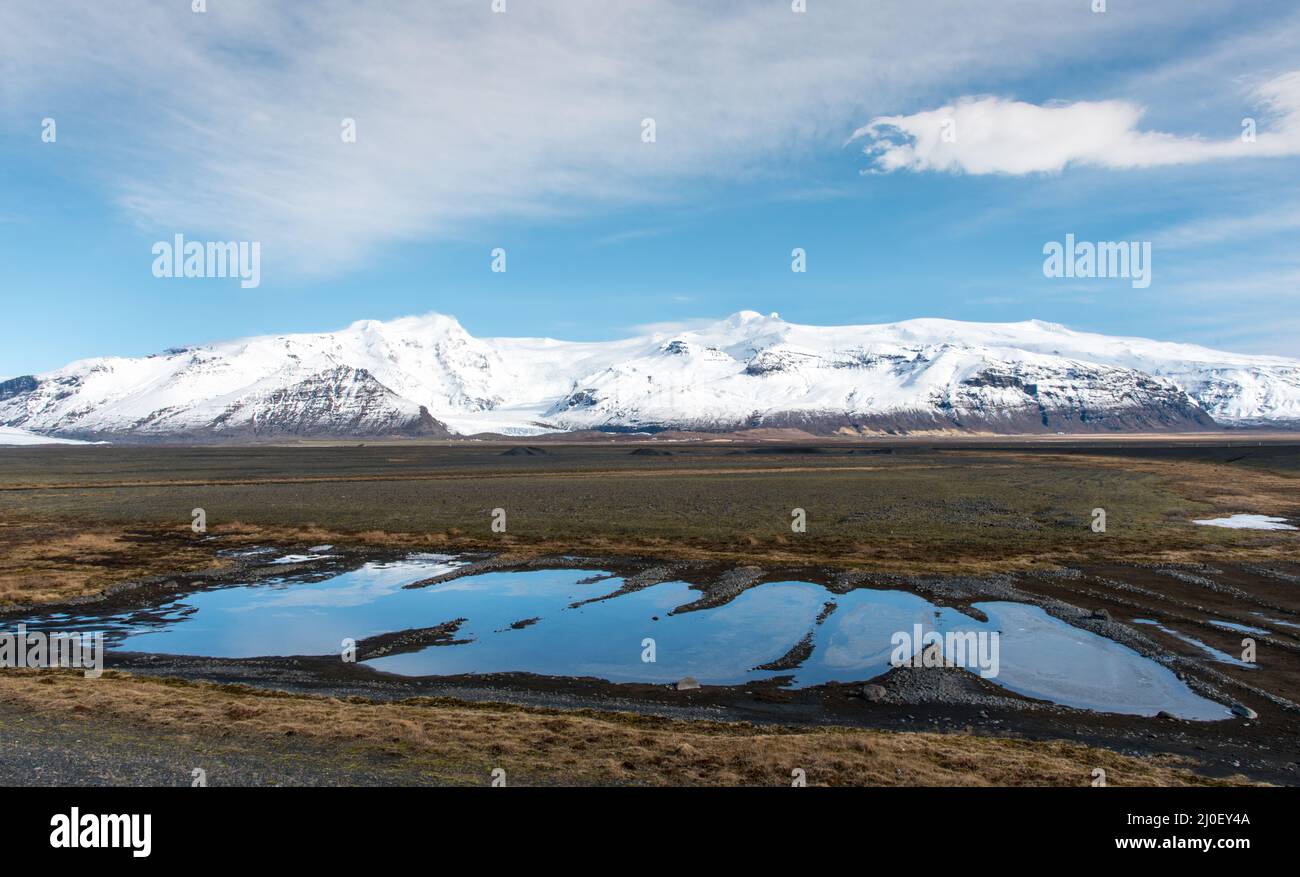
(302, 558)
(1248, 522)
(12, 435)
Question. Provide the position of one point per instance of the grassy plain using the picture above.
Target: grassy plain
(73, 520)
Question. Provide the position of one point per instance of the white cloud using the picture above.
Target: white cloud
(993, 135)
(226, 123)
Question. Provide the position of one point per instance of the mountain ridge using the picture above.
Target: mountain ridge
(426, 375)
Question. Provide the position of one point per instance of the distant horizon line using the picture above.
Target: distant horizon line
(651, 331)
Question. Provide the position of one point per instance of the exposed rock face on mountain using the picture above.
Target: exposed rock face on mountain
(428, 376)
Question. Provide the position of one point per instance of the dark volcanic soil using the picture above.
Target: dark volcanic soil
(1103, 599)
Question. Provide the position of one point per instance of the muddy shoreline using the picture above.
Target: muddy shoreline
(1099, 599)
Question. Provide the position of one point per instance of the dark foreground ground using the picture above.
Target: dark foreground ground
(954, 523)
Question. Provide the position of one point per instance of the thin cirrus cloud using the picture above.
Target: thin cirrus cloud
(227, 123)
(993, 135)
(1203, 232)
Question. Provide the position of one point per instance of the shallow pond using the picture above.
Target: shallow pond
(1037, 655)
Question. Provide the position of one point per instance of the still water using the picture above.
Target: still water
(1039, 656)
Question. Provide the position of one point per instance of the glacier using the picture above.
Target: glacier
(428, 376)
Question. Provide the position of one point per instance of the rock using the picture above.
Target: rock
(1101, 614)
(1164, 715)
(525, 451)
(873, 693)
(1240, 709)
(687, 683)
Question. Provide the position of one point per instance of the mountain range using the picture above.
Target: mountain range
(428, 376)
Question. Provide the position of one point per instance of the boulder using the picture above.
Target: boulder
(873, 693)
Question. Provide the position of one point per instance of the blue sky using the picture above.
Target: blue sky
(522, 130)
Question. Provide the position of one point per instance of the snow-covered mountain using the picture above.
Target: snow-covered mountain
(428, 376)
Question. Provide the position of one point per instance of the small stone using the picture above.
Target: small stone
(873, 693)
(687, 683)
(1240, 709)
(1101, 614)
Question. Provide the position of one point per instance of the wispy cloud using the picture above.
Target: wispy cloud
(1222, 229)
(671, 327)
(632, 234)
(228, 122)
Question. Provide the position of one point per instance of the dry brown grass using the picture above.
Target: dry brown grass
(48, 561)
(908, 520)
(451, 741)
(593, 474)
(1226, 487)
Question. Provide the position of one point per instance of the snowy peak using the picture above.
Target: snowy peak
(427, 375)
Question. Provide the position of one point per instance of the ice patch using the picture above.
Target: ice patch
(12, 435)
(302, 558)
(1248, 522)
